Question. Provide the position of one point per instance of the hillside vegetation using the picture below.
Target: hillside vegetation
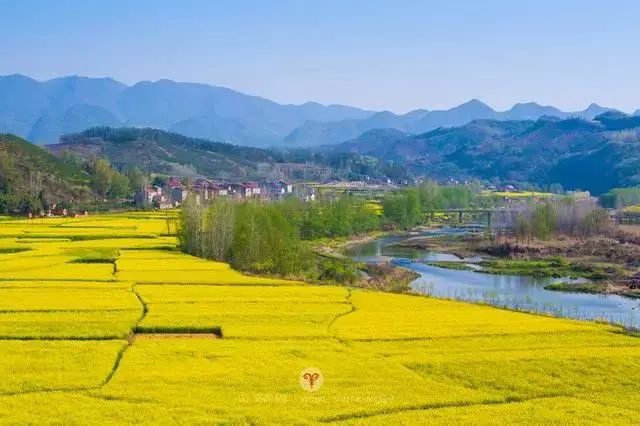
(29, 176)
(32, 180)
(591, 155)
(158, 151)
(315, 133)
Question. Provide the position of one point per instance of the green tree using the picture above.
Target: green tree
(543, 221)
(620, 197)
(71, 157)
(120, 186)
(137, 179)
(102, 176)
(160, 181)
(403, 208)
(8, 172)
(522, 228)
(595, 222)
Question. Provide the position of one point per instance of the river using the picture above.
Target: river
(523, 293)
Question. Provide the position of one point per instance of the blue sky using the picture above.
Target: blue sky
(396, 55)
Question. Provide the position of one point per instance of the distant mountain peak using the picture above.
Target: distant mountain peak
(531, 111)
(594, 110)
(17, 77)
(474, 106)
(475, 103)
(43, 110)
(530, 106)
(383, 114)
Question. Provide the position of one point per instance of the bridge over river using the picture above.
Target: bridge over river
(488, 214)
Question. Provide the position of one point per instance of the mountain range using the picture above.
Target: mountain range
(594, 155)
(314, 133)
(43, 111)
(161, 152)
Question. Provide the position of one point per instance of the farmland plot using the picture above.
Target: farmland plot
(102, 321)
(271, 312)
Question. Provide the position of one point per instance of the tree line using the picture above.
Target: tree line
(273, 237)
(35, 181)
(618, 198)
(407, 208)
(567, 216)
(106, 181)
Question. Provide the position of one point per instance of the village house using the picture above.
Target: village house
(174, 182)
(276, 190)
(239, 190)
(178, 195)
(205, 190)
(201, 189)
(208, 190)
(148, 196)
(284, 187)
(253, 189)
(218, 190)
(305, 193)
(57, 211)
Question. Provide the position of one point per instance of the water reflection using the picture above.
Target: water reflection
(515, 292)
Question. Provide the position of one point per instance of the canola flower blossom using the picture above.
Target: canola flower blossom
(103, 320)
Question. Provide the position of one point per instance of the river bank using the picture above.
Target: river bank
(609, 264)
(382, 276)
(510, 282)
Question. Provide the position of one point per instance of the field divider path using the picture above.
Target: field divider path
(50, 390)
(337, 317)
(137, 330)
(130, 339)
(63, 338)
(434, 406)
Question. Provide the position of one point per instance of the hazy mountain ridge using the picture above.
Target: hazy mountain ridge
(315, 133)
(43, 111)
(577, 153)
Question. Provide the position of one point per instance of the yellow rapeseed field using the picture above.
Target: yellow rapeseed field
(104, 321)
(244, 311)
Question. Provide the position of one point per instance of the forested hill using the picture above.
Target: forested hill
(594, 155)
(30, 177)
(158, 151)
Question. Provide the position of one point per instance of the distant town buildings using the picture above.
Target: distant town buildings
(176, 191)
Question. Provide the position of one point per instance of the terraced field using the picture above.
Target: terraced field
(103, 321)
